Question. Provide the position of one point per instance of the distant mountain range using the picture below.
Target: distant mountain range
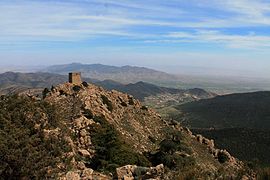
(11, 82)
(133, 74)
(140, 90)
(124, 74)
(30, 79)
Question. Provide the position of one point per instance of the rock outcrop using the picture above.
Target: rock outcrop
(140, 128)
(132, 172)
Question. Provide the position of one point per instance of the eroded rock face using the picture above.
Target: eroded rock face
(86, 174)
(71, 175)
(127, 114)
(131, 172)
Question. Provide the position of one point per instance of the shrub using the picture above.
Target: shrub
(52, 88)
(106, 101)
(144, 108)
(62, 92)
(124, 104)
(222, 157)
(88, 113)
(111, 150)
(76, 88)
(25, 152)
(167, 151)
(152, 139)
(168, 146)
(85, 84)
(130, 101)
(45, 92)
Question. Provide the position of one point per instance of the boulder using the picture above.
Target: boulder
(131, 172)
(72, 175)
(84, 153)
(87, 173)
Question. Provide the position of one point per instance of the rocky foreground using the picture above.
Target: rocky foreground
(111, 135)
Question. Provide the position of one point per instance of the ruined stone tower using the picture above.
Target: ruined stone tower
(75, 78)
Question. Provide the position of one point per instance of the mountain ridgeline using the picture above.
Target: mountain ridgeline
(11, 82)
(124, 74)
(141, 90)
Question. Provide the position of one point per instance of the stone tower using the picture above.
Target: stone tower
(75, 78)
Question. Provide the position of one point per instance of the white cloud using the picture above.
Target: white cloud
(249, 41)
(36, 21)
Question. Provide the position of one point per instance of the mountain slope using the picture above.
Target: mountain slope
(102, 131)
(246, 110)
(30, 79)
(141, 90)
(237, 122)
(124, 74)
(142, 129)
(251, 145)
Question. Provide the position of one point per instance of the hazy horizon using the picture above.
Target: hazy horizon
(226, 38)
(185, 71)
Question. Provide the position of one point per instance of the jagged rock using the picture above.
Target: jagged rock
(84, 153)
(199, 138)
(71, 175)
(224, 156)
(131, 172)
(87, 173)
(183, 154)
(82, 122)
(209, 143)
(187, 130)
(81, 166)
(83, 132)
(125, 172)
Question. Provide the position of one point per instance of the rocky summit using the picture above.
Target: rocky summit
(111, 135)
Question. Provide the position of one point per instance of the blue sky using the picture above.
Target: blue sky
(164, 34)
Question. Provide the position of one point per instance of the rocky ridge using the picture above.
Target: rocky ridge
(142, 129)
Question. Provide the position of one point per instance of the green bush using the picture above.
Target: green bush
(167, 151)
(25, 151)
(130, 101)
(145, 108)
(111, 150)
(85, 84)
(76, 88)
(222, 158)
(88, 113)
(168, 146)
(106, 101)
(124, 104)
(45, 92)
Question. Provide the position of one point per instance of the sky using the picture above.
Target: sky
(221, 36)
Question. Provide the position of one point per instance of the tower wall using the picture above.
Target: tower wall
(75, 78)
